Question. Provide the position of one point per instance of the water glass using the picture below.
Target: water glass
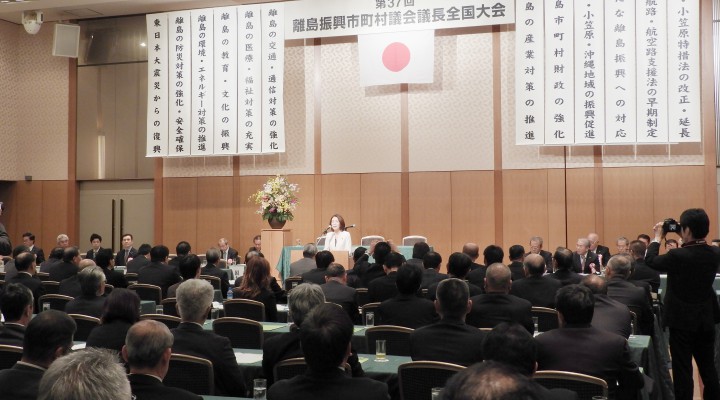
(45, 306)
(159, 309)
(536, 324)
(436, 393)
(259, 389)
(215, 313)
(369, 319)
(381, 351)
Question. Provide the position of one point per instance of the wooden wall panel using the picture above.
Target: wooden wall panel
(30, 195)
(676, 189)
(180, 205)
(380, 203)
(556, 211)
(628, 203)
(473, 209)
(246, 222)
(341, 194)
(525, 201)
(304, 227)
(431, 209)
(54, 212)
(580, 204)
(8, 195)
(214, 212)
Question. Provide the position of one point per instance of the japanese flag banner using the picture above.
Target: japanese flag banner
(397, 57)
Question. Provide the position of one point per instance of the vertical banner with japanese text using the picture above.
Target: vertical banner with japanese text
(226, 117)
(559, 75)
(684, 71)
(273, 67)
(652, 95)
(180, 102)
(529, 73)
(203, 130)
(250, 79)
(589, 72)
(157, 116)
(620, 78)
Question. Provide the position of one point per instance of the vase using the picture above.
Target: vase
(276, 224)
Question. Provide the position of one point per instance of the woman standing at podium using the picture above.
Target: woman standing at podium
(338, 238)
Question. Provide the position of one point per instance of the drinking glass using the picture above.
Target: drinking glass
(259, 389)
(381, 351)
(369, 319)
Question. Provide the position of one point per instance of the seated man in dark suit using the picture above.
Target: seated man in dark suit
(517, 255)
(407, 308)
(317, 275)
(584, 260)
(458, 266)
(29, 242)
(579, 347)
(602, 252)
(336, 291)
(472, 250)
(25, 264)
(54, 257)
(635, 298)
(490, 380)
(536, 247)
(92, 283)
(104, 260)
(147, 351)
(227, 252)
(431, 271)
(10, 270)
(48, 336)
(563, 263)
(127, 252)
(609, 314)
(189, 269)
(212, 256)
(306, 263)
(420, 249)
(16, 303)
(450, 339)
(383, 288)
(157, 272)
(539, 290)
(71, 286)
(497, 305)
(640, 271)
(491, 255)
(68, 267)
(141, 259)
(194, 300)
(368, 272)
(325, 338)
(96, 243)
(182, 250)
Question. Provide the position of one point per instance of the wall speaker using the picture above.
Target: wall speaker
(67, 40)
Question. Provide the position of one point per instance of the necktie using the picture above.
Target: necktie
(127, 253)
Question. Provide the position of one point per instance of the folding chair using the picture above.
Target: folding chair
(244, 308)
(397, 339)
(585, 386)
(85, 325)
(243, 333)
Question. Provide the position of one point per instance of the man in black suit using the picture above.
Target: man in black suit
(92, 284)
(491, 380)
(536, 247)
(418, 253)
(623, 245)
(17, 309)
(194, 300)
(450, 339)
(104, 260)
(491, 255)
(431, 271)
(458, 266)
(157, 272)
(48, 336)
(68, 267)
(212, 256)
(369, 272)
(227, 252)
(10, 269)
(602, 252)
(640, 271)
(141, 259)
(691, 307)
(563, 262)
(577, 346)
(336, 291)
(497, 304)
(407, 308)
(539, 290)
(473, 251)
(584, 260)
(383, 288)
(317, 275)
(71, 286)
(517, 255)
(96, 245)
(325, 338)
(182, 250)
(609, 315)
(54, 257)
(147, 351)
(29, 242)
(306, 263)
(127, 252)
(636, 298)
(25, 264)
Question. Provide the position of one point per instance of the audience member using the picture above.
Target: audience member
(490, 380)
(158, 273)
(25, 264)
(336, 291)
(491, 255)
(536, 247)
(91, 302)
(635, 298)
(671, 244)
(189, 268)
(539, 290)
(608, 314)
(68, 267)
(29, 242)
(182, 249)
(369, 272)
(644, 238)
(71, 286)
(212, 256)
(640, 271)
(306, 263)
(418, 253)
(10, 269)
(563, 264)
(256, 286)
(472, 250)
(140, 260)
(317, 274)
(104, 260)
(16, 303)
(407, 308)
(384, 287)
(431, 271)
(497, 304)
(516, 253)
(54, 257)
(458, 265)
(120, 311)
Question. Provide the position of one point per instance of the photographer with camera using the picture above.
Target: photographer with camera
(691, 306)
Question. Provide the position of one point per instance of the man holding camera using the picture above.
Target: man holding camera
(691, 306)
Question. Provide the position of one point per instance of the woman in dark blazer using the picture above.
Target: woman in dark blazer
(121, 311)
(256, 286)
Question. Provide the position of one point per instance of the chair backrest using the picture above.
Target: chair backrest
(43, 276)
(51, 287)
(289, 368)
(417, 378)
(411, 240)
(191, 373)
(169, 306)
(634, 318)
(366, 308)
(244, 308)
(54, 301)
(320, 241)
(292, 282)
(109, 289)
(397, 339)
(243, 333)
(131, 277)
(9, 355)
(361, 296)
(547, 318)
(585, 386)
(367, 240)
(170, 321)
(147, 292)
(85, 325)
(214, 281)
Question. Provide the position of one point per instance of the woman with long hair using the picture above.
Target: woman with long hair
(256, 286)
(338, 238)
(120, 312)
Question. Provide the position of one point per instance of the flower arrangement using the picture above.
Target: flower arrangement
(277, 199)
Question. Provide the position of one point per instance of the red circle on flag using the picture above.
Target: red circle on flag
(396, 57)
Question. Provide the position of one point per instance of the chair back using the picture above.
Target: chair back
(368, 307)
(170, 321)
(417, 378)
(397, 339)
(585, 386)
(547, 318)
(244, 308)
(289, 368)
(292, 282)
(361, 296)
(54, 301)
(85, 325)
(243, 333)
(411, 240)
(169, 306)
(634, 318)
(367, 240)
(191, 373)
(214, 281)
(109, 289)
(9, 355)
(131, 277)
(43, 276)
(147, 292)
(51, 287)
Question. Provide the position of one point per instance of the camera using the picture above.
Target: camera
(670, 225)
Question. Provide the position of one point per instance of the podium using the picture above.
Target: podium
(341, 257)
(273, 241)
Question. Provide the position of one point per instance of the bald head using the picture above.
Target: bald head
(497, 278)
(595, 283)
(594, 240)
(534, 264)
(148, 347)
(472, 250)
(619, 265)
(88, 262)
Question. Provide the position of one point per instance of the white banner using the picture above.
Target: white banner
(559, 76)
(324, 18)
(684, 71)
(273, 70)
(529, 74)
(620, 78)
(180, 111)
(226, 84)
(203, 131)
(589, 72)
(250, 79)
(652, 73)
(157, 115)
